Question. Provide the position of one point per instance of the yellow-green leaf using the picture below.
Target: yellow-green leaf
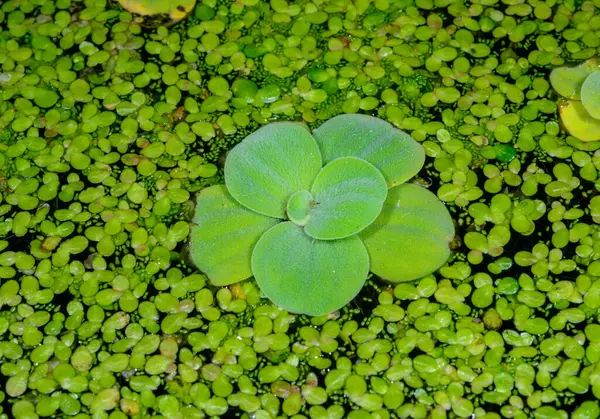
(578, 122)
(176, 9)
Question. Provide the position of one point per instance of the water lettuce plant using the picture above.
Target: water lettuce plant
(310, 215)
(580, 85)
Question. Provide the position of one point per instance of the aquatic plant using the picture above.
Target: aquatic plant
(310, 216)
(580, 85)
(176, 10)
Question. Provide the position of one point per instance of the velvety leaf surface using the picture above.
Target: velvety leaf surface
(298, 207)
(578, 122)
(567, 81)
(269, 165)
(176, 9)
(223, 236)
(348, 195)
(410, 238)
(590, 94)
(395, 153)
(304, 275)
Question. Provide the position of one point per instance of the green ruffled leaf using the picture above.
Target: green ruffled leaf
(304, 275)
(348, 195)
(176, 9)
(567, 81)
(223, 236)
(269, 165)
(590, 94)
(410, 237)
(393, 152)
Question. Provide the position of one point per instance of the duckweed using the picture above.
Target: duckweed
(111, 122)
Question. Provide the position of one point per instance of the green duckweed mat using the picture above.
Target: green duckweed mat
(110, 123)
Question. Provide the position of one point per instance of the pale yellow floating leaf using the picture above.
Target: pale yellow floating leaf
(175, 9)
(578, 122)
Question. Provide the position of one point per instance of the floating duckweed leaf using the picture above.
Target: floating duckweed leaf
(304, 275)
(45, 98)
(590, 94)
(578, 122)
(176, 9)
(567, 81)
(397, 156)
(348, 193)
(504, 152)
(298, 207)
(223, 236)
(410, 238)
(265, 169)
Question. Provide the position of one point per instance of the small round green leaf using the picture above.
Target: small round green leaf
(269, 165)
(590, 94)
(298, 207)
(348, 195)
(396, 154)
(45, 98)
(223, 236)
(410, 237)
(567, 81)
(304, 275)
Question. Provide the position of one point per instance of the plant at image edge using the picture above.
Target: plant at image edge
(310, 215)
(580, 85)
(175, 9)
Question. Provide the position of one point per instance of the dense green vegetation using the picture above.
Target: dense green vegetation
(111, 123)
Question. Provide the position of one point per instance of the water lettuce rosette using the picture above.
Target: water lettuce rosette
(310, 215)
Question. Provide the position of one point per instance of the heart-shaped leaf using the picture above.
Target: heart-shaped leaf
(590, 94)
(223, 236)
(304, 275)
(269, 165)
(347, 196)
(176, 9)
(410, 237)
(578, 122)
(567, 81)
(393, 152)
